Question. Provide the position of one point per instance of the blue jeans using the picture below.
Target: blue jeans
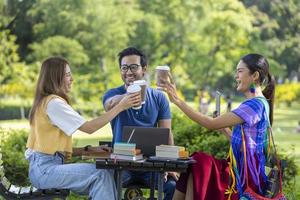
(48, 171)
(144, 178)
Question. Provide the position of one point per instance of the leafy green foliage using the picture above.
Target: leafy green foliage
(197, 39)
(10, 67)
(287, 93)
(197, 138)
(204, 44)
(15, 78)
(277, 24)
(290, 173)
(13, 144)
(60, 46)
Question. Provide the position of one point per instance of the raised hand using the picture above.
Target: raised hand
(170, 89)
(130, 100)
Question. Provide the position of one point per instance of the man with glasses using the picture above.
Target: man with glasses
(154, 113)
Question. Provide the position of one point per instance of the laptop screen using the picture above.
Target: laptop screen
(146, 138)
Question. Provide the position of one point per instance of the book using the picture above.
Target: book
(171, 148)
(126, 157)
(171, 151)
(131, 152)
(124, 146)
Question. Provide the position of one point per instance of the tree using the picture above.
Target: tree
(60, 46)
(10, 67)
(100, 27)
(18, 23)
(14, 75)
(201, 41)
(278, 27)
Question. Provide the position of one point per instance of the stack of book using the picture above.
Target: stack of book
(169, 151)
(126, 151)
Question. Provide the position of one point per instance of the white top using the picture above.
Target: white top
(63, 116)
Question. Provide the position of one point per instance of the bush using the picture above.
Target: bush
(13, 144)
(196, 138)
(287, 93)
(289, 176)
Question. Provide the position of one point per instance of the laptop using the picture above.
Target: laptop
(146, 138)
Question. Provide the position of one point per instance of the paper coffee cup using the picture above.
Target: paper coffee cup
(134, 89)
(162, 75)
(143, 85)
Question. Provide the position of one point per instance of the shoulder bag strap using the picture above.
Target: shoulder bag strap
(270, 132)
(245, 156)
(272, 138)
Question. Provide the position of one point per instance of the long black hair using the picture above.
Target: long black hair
(258, 63)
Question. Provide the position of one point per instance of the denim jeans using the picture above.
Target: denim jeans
(144, 178)
(48, 171)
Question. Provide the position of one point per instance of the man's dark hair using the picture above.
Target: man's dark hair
(133, 51)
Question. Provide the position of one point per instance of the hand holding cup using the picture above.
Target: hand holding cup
(130, 100)
(162, 75)
(143, 85)
(170, 89)
(135, 90)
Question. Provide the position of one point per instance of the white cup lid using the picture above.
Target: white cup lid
(139, 82)
(163, 67)
(133, 88)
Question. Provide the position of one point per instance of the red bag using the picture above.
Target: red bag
(249, 194)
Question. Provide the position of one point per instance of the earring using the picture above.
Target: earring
(252, 88)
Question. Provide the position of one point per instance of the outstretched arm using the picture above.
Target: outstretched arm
(223, 121)
(126, 102)
(113, 101)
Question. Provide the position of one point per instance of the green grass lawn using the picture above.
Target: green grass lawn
(284, 126)
(285, 133)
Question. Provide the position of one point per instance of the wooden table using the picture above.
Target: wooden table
(160, 167)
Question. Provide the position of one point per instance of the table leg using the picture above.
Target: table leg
(119, 184)
(160, 185)
(152, 185)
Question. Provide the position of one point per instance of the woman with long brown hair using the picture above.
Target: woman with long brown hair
(52, 122)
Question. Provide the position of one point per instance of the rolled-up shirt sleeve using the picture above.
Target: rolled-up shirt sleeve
(64, 116)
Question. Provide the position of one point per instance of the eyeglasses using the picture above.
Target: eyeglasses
(133, 68)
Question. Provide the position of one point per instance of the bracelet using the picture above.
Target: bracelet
(86, 148)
